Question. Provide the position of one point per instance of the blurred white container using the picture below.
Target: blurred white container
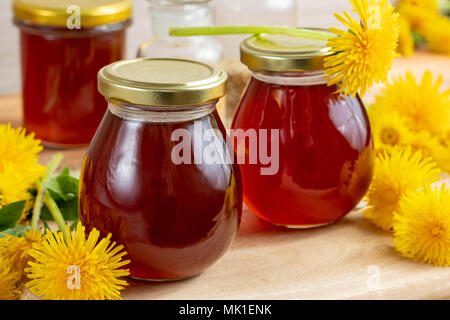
(181, 13)
(252, 12)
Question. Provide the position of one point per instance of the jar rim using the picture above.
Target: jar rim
(63, 32)
(282, 53)
(291, 78)
(161, 82)
(57, 13)
(160, 114)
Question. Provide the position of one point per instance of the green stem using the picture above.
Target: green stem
(218, 30)
(54, 163)
(56, 213)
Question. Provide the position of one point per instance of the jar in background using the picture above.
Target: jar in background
(253, 12)
(249, 12)
(324, 149)
(175, 211)
(166, 14)
(63, 46)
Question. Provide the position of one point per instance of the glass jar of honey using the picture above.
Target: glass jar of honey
(64, 44)
(159, 174)
(321, 143)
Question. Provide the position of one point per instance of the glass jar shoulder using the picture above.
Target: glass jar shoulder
(280, 103)
(191, 156)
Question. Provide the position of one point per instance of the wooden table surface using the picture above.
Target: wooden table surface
(347, 260)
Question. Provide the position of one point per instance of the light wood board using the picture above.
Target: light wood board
(340, 261)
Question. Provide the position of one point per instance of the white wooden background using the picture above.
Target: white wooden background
(313, 13)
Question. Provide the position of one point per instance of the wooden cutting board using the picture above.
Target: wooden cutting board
(350, 259)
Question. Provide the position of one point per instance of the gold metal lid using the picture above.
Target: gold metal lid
(161, 82)
(57, 12)
(281, 53)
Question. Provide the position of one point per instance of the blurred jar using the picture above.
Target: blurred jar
(166, 14)
(252, 12)
(248, 12)
(64, 44)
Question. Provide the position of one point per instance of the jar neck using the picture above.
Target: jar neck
(309, 78)
(160, 114)
(67, 33)
(178, 13)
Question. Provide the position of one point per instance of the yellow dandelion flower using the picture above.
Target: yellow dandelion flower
(396, 172)
(405, 41)
(16, 249)
(388, 127)
(364, 54)
(418, 11)
(436, 32)
(11, 248)
(32, 237)
(422, 104)
(77, 269)
(430, 5)
(19, 169)
(422, 226)
(431, 146)
(13, 185)
(445, 140)
(9, 278)
(18, 148)
(441, 155)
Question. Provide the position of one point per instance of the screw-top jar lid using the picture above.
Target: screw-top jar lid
(281, 53)
(57, 12)
(161, 82)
